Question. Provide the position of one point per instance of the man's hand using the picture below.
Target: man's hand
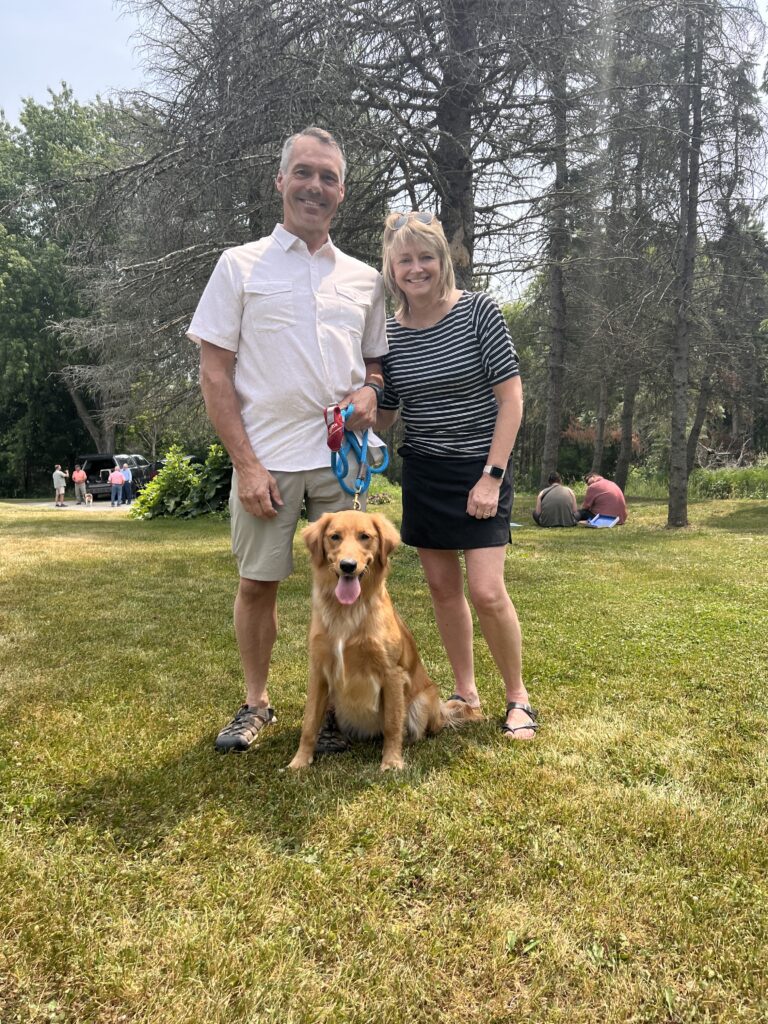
(258, 492)
(366, 406)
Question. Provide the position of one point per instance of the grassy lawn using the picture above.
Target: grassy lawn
(614, 870)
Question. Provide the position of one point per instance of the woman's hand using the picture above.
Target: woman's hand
(483, 501)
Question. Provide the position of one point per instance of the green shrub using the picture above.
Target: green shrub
(702, 483)
(644, 483)
(210, 489)
(729, 483)
(166, 493)
(186, 490)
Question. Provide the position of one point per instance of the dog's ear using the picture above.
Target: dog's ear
(389, 538)
(312, 536)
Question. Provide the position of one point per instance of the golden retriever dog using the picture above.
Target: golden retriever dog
(363, 659)
(88, 498)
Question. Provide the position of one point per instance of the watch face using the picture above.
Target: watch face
(495, 471)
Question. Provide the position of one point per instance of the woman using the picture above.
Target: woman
(453, 370)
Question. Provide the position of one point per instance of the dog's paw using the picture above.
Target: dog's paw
(300, 762)
(392, 764)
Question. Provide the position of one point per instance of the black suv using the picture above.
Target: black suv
(98, 467)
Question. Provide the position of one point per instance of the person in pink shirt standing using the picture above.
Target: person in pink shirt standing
(117, 480)
(603, 498)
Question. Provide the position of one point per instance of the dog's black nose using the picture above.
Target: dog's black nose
(348, 566)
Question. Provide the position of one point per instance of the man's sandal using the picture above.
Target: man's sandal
(330, 739)
(238, 735)
(532, 713)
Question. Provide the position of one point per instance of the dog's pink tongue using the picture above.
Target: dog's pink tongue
(347, 589)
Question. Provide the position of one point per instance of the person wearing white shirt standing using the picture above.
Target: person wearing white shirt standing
(287, 326)
(59, 484)
(125, 469)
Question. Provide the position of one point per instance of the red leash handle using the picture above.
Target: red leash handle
(334, 422)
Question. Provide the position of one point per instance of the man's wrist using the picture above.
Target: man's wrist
(377, 389)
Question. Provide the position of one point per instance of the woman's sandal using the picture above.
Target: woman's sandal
(476, 710)
(532, 713)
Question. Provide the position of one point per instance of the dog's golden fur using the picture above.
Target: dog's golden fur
(363, 659)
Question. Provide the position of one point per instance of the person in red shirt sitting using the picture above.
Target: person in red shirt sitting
(603, 498)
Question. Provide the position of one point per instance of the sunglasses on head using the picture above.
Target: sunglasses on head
(402, 220)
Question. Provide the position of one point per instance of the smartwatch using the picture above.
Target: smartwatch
(376, 387)
(497, 472)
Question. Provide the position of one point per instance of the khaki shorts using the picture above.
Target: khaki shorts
(263, 548)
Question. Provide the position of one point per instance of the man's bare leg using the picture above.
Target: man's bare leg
(256, 630)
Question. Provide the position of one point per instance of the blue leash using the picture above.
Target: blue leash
(340, 461)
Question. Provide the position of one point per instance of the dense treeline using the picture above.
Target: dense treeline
(599, 165)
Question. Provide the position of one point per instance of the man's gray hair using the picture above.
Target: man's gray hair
(313, 133)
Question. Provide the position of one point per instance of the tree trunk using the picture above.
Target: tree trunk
(631, 389)
(99, 438)
(602, 419)
(453, 154)
(705, 392)
(690, 149)
(558, 249)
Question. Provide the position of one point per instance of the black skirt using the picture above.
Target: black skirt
(435, 493)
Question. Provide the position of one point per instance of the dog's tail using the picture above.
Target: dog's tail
(457, 712)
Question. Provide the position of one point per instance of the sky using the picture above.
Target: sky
(86, 43)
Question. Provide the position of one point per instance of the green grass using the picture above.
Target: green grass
(612, 871)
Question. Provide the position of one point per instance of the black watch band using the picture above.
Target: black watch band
(376, 387)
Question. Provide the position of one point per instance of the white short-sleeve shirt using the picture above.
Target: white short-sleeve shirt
(302, 325)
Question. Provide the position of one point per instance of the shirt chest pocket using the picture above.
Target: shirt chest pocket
(347, 308)
(268, 305)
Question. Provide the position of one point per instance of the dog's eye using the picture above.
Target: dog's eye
(364, 536)
(335, 536)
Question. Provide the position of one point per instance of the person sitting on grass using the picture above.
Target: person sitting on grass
(603, 498)
(556, 504)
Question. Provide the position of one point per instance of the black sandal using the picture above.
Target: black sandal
(330, 739)
(531, 712)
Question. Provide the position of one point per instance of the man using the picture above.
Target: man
(59, 484)
(116, 487)
(556, 504)
(78, 479)
(287, 325)
(125, 469)
(603, 498)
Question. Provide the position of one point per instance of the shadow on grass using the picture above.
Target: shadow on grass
(138, 809)
(749, 519)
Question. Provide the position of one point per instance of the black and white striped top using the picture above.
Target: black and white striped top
(443, 375)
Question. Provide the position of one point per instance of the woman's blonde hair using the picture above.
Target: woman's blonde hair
(413, 231)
